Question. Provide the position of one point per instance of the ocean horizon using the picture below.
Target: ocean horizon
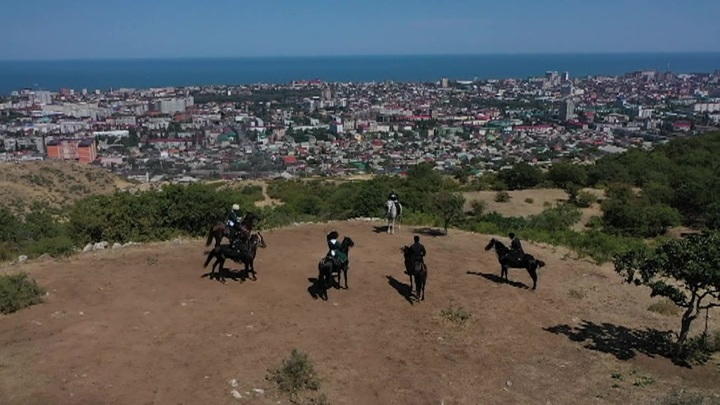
(164, 72)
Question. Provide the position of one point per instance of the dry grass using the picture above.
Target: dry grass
(665, 307)
(54, 183)
(541, 198)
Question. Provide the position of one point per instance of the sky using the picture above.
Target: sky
(112, 29)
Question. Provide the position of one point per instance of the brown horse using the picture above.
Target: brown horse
(221, 230)
(417, 270)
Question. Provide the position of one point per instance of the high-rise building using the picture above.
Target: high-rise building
(444, 82)
(81, 150)
(567, 110)
(43, 97)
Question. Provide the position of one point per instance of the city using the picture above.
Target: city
(316, 128)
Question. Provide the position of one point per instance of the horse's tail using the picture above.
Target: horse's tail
(540, 264)
(210, 236)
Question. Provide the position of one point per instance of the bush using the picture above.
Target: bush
(17, 292)
(665, 307)
(56, 247)
(529, 200)
(455, 314)
(585, 199)
(295, 376)
(478, 207)
(502, 196)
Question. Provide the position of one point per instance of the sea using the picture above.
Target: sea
(146, 73)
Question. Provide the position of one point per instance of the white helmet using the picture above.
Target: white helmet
(236, 207)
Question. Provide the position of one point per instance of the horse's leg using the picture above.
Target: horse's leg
(532, 271)
(345, 272)
(411, 282)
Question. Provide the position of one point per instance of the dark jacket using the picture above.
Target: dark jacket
(515, 244)
(234, 217)
(418, 251)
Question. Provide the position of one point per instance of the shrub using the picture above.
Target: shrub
(529, 200)
(478, 207)
(665, 307)
(55, 247)
(17, 292)
(455, 314)
(585, 199)
(295, 376)
(502, 196)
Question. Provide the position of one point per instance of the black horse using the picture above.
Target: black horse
(220, 230)
(415, 269)
(327, 266)
(508, 259)
(238, 253)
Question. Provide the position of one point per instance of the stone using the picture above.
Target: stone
(116, 245)
(100, 246)
(88, 247)
(22, 258)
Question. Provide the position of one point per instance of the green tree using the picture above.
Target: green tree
(686, 271)
(521, 176)
(562, 175)
(450, 207)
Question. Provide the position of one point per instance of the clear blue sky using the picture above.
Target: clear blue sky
(99, 29)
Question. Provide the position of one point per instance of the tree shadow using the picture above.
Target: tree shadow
(429, 232)
(315, 291)
(499, 280)
(235, 275)
(380, 229)
(622, 342)
(403, 289)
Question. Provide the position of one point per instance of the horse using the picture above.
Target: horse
(221, 229)
(326, 266)
(528, 262)
(415, 269)
(241, 254)
(393, 212)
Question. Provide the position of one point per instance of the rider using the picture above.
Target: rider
(234, 219)
(418, 250)
(516, 250)
(393, 197)
(337, 256)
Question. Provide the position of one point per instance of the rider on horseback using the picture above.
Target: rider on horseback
(233, 222)
(338, 257)
(418, 250)
(516, 250)
(393, 197)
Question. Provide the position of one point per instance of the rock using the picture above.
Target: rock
(22, 258)
(233, 383)
(259, 390)
(177, 242)
(45, 256)
(117, 245)
(100, 246)
(236, 394)
(509, 383)
(88, 247)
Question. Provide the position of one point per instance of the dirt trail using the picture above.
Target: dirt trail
(142, 326)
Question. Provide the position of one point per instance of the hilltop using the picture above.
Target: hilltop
(55, 183)
(142, 325)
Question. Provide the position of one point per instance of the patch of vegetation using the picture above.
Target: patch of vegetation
(644, 381)
(502, 196)
(529, 200)
(478, 207)
(577, 293)
(585, 199)
(455, 314)
(665, 307)
(18, 291)
(295, 377)
(685, 271)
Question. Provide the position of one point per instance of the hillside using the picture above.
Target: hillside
(142, 325)
(53, 182)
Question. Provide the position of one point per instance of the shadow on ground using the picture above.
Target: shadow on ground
(403, 289)
(621, 342)
(235, 275)
(497, 279)
(429, 232)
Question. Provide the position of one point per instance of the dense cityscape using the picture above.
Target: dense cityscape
(310, 128)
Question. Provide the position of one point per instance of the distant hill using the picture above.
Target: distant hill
(53, 182)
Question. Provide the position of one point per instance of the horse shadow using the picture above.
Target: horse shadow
(499, 280)
(429, 232)
(235, 275)
(380, 229)
(403, 289)
(315, 290)
(623, 343)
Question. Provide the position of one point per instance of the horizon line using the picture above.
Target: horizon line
(384, 55)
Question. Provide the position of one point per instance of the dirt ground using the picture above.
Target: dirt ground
(141, 325)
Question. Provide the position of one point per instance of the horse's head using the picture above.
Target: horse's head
(256, 240)
(347, 242)
(491, 244)
(251, 218)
